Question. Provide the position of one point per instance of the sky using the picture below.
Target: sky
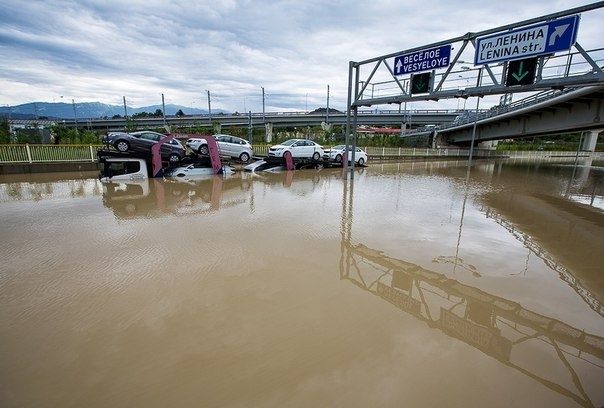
(98, 50)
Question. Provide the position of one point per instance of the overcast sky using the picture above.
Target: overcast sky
(101, 50)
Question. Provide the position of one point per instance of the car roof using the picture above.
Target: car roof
(146, 131)
(225, 134)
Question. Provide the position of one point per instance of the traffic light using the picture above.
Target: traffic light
(521, 72)
(421, 83)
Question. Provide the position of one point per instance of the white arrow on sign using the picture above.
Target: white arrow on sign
(399, 65)
(557, 33)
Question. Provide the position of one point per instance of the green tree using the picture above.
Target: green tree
(4, 131)
(180, 113)
(131, 125)
(64, 135)
(29, 136)
(158, 113)
(90, 137)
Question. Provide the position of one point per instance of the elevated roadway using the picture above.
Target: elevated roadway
(413, 118)
(550, 112)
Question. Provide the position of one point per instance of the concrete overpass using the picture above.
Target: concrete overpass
(413, 118)
(546, 113)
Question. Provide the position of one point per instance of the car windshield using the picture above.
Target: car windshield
(289, 142)
(339, 147)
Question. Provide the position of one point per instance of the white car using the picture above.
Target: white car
(228, 145)
(336, 153)
(299, 148)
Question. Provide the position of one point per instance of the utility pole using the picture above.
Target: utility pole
(209, 107)
(327, 113)
(125, 109)
(75, 116)
(163, 105)
(249, 128)
(263, 112)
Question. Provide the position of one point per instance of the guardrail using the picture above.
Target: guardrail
(87, 153)
(47, 153)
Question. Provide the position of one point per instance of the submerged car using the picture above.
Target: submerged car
(228, 145)
(337, 152)
(141, 142)
(194, 170)
(299, 148)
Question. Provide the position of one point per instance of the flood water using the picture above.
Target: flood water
(416, 285)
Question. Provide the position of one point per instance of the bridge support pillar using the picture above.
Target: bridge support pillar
(437, 141)
(269, 132)
(590, 139)
(489, 145)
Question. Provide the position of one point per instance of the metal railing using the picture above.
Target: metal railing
(87, 153)
(47, 153)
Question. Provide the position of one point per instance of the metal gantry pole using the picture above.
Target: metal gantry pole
(473, 132)
(478, 83)
(354, 120)
(348, 109)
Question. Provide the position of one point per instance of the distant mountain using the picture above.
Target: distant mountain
(85, 110)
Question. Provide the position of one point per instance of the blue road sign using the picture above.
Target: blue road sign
(424, 60)
(539, 39)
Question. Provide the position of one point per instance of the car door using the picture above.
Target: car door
(153, 138)
(312, 147)
(225, 145)
(144, 141)
(297, 149)
(237, 146)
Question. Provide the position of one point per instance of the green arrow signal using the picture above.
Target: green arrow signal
(518, 77)
(421, 86)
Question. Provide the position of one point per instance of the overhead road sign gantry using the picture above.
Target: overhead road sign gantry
(423, 60)
(539, 39)
(387, 79)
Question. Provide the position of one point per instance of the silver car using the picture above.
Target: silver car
(228, 145)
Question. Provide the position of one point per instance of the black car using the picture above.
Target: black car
(142, 142)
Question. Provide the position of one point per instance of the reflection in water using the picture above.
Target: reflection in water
(497, 326)
(549, 225)
(153, 198)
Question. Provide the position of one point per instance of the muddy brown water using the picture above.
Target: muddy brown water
(416, 285)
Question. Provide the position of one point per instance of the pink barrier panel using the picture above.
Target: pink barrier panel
(289, 161)
(214, 154)
(156, 155)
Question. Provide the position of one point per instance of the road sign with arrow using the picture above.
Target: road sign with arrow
(423, 60)
(539, 39)
(521, 72)
(421, 83)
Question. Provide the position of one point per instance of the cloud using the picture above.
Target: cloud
(99, 51)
